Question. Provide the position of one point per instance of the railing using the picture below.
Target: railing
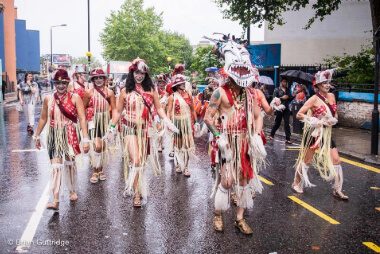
(350, 87)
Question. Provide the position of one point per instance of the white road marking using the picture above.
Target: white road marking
(30, 230)
(26, 150)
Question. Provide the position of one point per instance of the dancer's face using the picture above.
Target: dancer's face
(81, 77)
(181, 86)
(99, 81)
(324, 87)
(139, 76)
(61, 86)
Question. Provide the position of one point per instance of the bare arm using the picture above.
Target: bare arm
(157, 104)
(211, 110)
(119, 108)
(112, 101)
(170, 106)
(258, 118)
(264, 103)
(42, 121)
(308, 105)
(21, 97)
(81, 115)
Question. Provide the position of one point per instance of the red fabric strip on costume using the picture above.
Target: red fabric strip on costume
(229, 94)
(148, 101)
(67, 108)
(102, 94)
(246, 168)
(331, 107)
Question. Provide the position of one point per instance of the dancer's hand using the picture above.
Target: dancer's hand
(276, 104)
(111, 134)
(170, 125)
(330, 121)
(313, 121)
(86, 145)
(37, 140)
(257, 145)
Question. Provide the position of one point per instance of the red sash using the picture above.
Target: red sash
(63, 110)
(102, 94)
(327, 103)
(147, 99)
(229, 94)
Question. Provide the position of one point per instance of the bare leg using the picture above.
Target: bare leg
(57, 167)
(338, 181)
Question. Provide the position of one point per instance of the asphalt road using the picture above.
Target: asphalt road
(178, 216)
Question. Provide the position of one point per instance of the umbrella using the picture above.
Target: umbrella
(211, 69)
(298, 76)
(266, 80)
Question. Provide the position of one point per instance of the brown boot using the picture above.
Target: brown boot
(218, 222)
(243, 226)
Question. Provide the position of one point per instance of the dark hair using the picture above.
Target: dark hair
(26, 75)
(130, 84)
(175, 88)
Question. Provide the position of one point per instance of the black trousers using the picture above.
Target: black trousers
(277, 122)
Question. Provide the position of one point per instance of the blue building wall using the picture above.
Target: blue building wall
(2, 52)
(33, 51)
(21, 45)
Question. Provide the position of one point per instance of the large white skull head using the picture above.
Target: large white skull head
(237, 62)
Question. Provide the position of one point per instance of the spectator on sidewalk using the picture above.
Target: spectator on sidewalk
(282, 92)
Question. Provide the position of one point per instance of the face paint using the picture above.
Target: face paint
(61, 86)
(139, 76)
(181, 86)
(98, 81)
(324, 87)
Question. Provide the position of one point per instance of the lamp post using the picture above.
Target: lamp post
(375, 111)
(88, 35)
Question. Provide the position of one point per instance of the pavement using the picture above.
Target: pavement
(352, 142)
(179, 212)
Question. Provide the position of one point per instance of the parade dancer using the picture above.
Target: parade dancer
(140, 100)
(161, 82)
(28, 94)
(319, 114)
(79, 83)
(181, 111)
(180, 69)
(62, 111)
(99, 102)
(238, 134)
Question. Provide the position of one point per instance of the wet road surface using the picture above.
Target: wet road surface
(179, 212)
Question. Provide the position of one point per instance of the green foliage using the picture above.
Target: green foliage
(360, 68)
(95, 63)
(256, 11)
(202, 59)
(136, 32)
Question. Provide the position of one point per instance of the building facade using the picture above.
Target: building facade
(19, 47)
(344, 31)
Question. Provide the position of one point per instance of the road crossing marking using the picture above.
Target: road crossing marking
(372, 246)
(313, 210)
(30, 230)
(360, 165)
(26, 150)
(266, 181)
(374, 188)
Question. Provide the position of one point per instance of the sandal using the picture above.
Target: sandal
(243, 226)
(340, 195)
(187, 173)
(288, 142)
(178, 170)
(73, 196)
(218, 223)
(53, 205)
(234, 198)
(297, 188)
(137, 201)
(94, 178)
(102, 176)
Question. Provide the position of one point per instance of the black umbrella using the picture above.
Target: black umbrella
(298, 76)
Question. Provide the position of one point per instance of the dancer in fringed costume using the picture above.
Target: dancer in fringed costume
(140, 100)
(79, 84)
(62, 111)
(99, 102)
(181, 111)
(319, 114)
(241, 148)
(180, 69)
(161, 82)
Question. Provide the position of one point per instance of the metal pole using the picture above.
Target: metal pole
(375, 112)
(88, 30)
(51, 46)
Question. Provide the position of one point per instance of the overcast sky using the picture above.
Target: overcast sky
(193, 18)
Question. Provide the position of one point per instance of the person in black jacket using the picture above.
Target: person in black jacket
(282, 92)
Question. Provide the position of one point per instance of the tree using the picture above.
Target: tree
(203, 58)
(257, 11)
(359, 67)
(134, 32)
(95, 63)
